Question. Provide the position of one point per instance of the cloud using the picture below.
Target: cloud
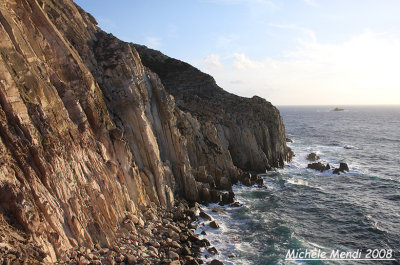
(213, 62)
(153, 42)
(243, 62)
(360, 70)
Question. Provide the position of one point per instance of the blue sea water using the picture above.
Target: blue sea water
(306, 209)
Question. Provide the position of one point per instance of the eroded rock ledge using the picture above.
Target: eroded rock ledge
(94, 130)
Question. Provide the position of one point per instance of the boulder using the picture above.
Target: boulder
(212, 250)
(214, 224)
(205, 216)
(173, 255)
(216, 262)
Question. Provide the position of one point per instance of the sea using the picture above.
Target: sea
(355, 214)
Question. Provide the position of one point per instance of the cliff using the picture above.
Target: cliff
(96, 133)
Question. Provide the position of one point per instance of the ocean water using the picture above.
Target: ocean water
(305, 209)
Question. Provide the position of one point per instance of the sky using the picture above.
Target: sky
(297, 52)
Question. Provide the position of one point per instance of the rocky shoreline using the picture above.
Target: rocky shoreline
(162, 236)
(158, 237)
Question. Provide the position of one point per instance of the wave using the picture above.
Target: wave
(352, 147)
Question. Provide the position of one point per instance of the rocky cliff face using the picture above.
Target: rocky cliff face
(94, 130)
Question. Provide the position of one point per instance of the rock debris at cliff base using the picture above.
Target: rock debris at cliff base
(94, 130)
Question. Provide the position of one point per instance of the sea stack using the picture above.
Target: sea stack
(105, 145)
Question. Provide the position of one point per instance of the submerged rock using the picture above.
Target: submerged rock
(312, 157)
(216, 209)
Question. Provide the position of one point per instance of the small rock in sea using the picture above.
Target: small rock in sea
(245, 178)
(205, 216)
(342, 168)
(203, 232)
(259, 181)
(318, 166)
(227, 197)
(205, 243)
(312, 157)
(288, 140)
(231, 255)
(216, 209)
(214, 224)
(216, 262)
(213, 251)
(236, 204)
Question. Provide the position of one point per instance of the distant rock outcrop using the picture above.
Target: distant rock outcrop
(99, 135)
(338, 109)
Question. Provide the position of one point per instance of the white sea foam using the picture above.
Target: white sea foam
(217, 237)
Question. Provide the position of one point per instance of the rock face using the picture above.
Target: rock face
(90, 135)
(250, 131)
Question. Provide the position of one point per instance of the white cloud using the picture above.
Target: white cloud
(213, 62)
(361, 70)
(243, 62)
(153, 42)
